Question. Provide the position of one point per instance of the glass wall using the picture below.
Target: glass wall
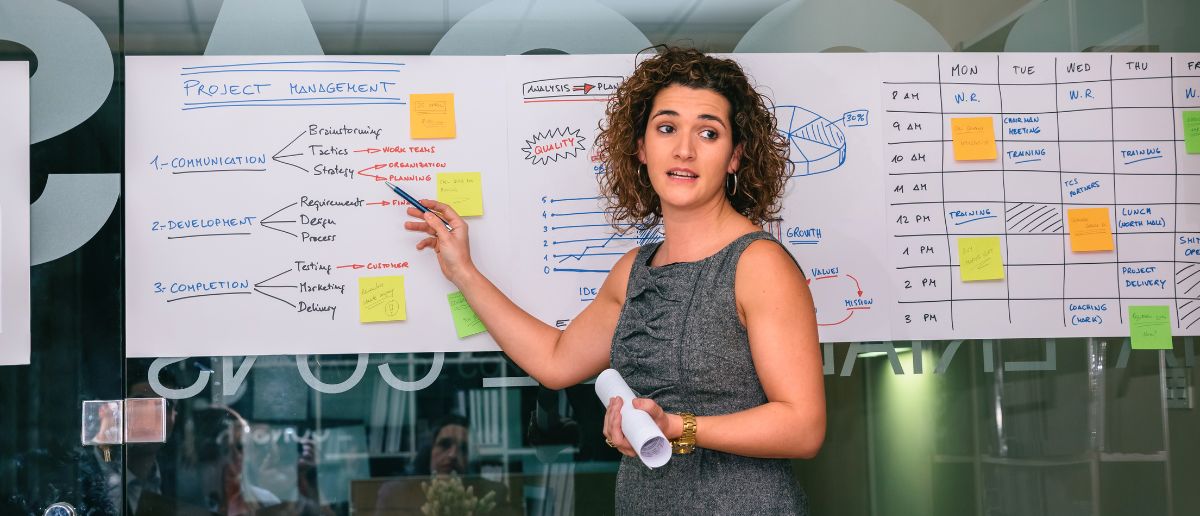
(1020, 427)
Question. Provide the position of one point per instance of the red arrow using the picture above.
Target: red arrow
(587, 87)
(369, 150)
(351, 266)
(856, 285)
(848, 315)
(380, 203)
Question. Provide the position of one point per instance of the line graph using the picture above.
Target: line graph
(581, 240)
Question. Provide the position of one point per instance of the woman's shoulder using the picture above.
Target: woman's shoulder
(766, 258)
(617, 281)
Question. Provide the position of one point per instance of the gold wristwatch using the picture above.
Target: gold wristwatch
(686, 443)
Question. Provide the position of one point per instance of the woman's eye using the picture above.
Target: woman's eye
(666, 129)
(708, 134)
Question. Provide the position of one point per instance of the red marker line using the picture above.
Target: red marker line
(605, 99)
(848, 314)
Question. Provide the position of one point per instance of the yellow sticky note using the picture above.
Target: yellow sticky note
(974, 138)
(381, 299)
(1150, 327)
(463, 191)
(431, 115)
(1090, 228)
(979, 258)
(466, 323)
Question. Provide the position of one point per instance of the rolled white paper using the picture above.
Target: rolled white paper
(639, 428)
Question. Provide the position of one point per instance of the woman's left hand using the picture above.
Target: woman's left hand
(612, 422)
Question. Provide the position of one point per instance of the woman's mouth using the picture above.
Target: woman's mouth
(682, 174)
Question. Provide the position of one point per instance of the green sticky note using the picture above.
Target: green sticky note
(1150, 327)
(466, 323)
(1191, 131)
(979, 258)
(381, 299)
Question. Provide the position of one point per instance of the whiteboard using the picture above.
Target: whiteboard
(255, 203)
(827, 106)
(565, 247)
(14, 213)
(872, 214)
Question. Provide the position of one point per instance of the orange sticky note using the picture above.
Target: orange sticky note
(1091, 229)
(974, 138)
(431, 115)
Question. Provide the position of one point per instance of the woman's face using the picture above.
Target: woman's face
(688, 148)
(449, 452)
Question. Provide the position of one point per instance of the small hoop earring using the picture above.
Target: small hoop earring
(641, 168)
(735, 185)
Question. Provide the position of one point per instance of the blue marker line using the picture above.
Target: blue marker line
(215, 102)
(1027, 161)
(576, 213)
(577, 199)
(582, 226)
(290, 62)
(556, 242)
(803, 242)
(584, 254)
(975, 219)
(288, 71)
(589, 248)
(297, 105)
(1143, 159)
(556, 269)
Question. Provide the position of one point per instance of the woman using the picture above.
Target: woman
(714, 325)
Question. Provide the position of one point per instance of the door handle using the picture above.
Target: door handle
(132, 420)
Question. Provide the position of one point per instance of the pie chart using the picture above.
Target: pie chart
(817, 145)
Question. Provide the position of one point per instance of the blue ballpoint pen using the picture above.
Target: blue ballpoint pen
(416, 204)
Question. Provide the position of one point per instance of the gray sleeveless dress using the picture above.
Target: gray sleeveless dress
(679, 342)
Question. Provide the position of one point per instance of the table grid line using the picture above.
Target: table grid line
(1056, 83)
(1003, 197)
(1062, 208)
(1175, 223)
(1161, 140)
(1116, 241)
(942, 107)
(1041, 171)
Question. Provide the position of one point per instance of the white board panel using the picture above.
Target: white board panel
(256, 202)
(14, 213)
(563, 244)
(827, 106)
(1073, 131)
(824, 104)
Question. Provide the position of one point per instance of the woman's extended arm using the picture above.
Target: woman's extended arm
(554, 358)
(777, 309)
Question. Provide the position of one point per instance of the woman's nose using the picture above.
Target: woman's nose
(684, 148)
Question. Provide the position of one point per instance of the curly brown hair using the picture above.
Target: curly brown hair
(763, 168)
